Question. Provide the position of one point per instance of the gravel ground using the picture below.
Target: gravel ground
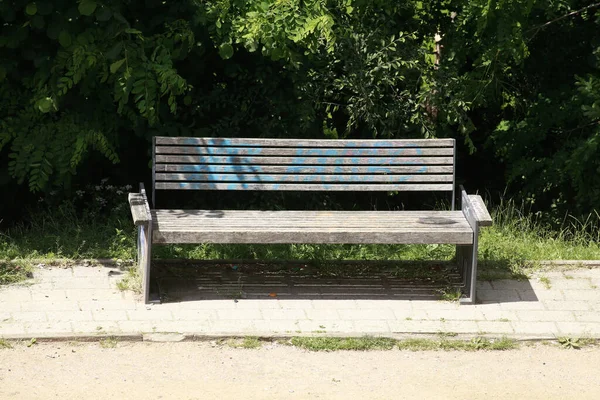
(201, 370)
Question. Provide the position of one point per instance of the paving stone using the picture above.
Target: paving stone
(281, 326)
(590, 294)
(580, 329)
(522, 305)
(194, 315)
(567, 305)
(257, 304)
(53, 272)
(239, 314)
(433, 305)
(107, 305)
(351, 314)
(399, 326)
(11, 306)
(497, 315)
(369, 326)
(49, 305)
(12, 329)
(545, 315)
(153, 314)
(39, 328)
(334, 304)
(324, 313)
(498, 295)
(83, 283)
(30, 316)
(545, 329)
(48, 295)
(411, 314)
(208, 305)
(303, 304)
(587, 316)
(495, 327)
(328, 326)
(95, 294)
(109, 315)
(582, 284)
(233, 326)
(97, 327)
(383, 304)
(65, 316)
(460, 326)
(463, 313)
(15, 294)
(507, 284)
(541, 294)
(283, 314)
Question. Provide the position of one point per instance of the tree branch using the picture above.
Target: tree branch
(564, 16)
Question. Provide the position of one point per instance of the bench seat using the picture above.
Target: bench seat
(385, 227)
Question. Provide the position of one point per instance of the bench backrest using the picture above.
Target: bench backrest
(182, 163)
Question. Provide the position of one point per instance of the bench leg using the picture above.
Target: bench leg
(144, 258)
(466, 257)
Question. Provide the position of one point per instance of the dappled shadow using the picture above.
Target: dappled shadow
(296, 280)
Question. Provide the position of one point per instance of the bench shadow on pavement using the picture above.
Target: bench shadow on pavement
(238, 279)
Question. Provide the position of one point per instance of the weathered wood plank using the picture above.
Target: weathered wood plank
(480, 210)
(305, 152)
(279, 236)
(300, 161)
(303, 187)
(303, 169)
(302, 214)
(268, 178)
(139, 209)
(162, 140)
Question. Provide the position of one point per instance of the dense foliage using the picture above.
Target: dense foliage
(516, 81)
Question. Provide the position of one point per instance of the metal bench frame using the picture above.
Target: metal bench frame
(308, 165)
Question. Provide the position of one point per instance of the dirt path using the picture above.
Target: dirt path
(199, 371)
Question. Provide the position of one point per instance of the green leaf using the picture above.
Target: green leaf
(31, 9)
(64, 39)
(45, 104)
(114, 67)
(103, 14)
(87, 7)
(187, 100)
(226, 51)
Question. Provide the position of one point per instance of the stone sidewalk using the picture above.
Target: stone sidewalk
(84, 301)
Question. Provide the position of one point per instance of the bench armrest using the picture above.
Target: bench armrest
(140, 209)
(480, 211)
(475, 210)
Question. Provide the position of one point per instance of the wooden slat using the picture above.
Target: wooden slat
(265, 178)
(302, 187)
(240, 226)
(278, 236)
(302, 214)
(303, 169)
(139, 209)
(161, 140)
(479, 210)
(299, 161)
(304, 152)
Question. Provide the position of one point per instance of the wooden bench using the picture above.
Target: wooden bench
(307, 165)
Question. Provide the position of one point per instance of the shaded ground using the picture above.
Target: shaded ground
(198, 370)
(297, 280)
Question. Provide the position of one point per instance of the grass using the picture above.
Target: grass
(108, 343)
(509, 249)
(418, 344)
(334, 344)
(5, 344)
(14, 271)
(131, 281)
(248, 342)
(546, 282)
